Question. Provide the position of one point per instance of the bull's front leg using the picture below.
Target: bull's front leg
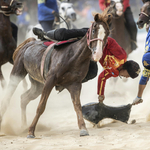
(75, 90)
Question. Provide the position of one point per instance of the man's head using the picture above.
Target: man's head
(130, 69)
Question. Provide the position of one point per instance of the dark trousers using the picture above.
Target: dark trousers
(130, 23)
(14, 31)
(65, 34)
(47, 25)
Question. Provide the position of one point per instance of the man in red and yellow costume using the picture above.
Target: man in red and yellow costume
(113, 59)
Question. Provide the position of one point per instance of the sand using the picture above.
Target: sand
(57, 128)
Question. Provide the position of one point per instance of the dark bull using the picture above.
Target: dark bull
(95, 112)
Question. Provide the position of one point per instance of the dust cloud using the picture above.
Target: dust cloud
(57, 127)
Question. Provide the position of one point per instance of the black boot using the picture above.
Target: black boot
(41, 34)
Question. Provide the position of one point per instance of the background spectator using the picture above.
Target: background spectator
(47, 13)
(23, 21)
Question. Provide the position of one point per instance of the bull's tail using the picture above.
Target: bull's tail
(21, 45)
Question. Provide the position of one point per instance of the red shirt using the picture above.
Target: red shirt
(105, 3)
(113, 57)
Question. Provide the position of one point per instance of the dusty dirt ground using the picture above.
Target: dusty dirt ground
(57, 128)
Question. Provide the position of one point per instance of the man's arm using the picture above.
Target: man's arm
(143, 82)
(139, 99)
(141, 89)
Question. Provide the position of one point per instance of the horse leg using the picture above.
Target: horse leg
(3, 82)
(49, 84)
(75, 90)
(31, 94)
(25, 84)
(18, 73)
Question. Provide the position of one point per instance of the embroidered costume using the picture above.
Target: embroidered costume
(113, 57)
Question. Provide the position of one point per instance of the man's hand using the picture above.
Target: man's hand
(57, 19)
(101, 98)
(137, 100)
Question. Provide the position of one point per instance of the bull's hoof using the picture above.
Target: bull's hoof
(84, 132)
(30, 136)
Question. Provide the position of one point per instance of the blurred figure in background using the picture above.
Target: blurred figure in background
(87, 11)
(23, 21)
(47, 13)
(104, 4)
(130, 23)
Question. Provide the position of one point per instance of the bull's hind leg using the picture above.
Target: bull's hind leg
(49, 84)
(75, 90)
(18, 73)
(31, 94)
(24, 84)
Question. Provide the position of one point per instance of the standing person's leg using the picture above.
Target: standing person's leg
(47, 25)
(131, 27)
